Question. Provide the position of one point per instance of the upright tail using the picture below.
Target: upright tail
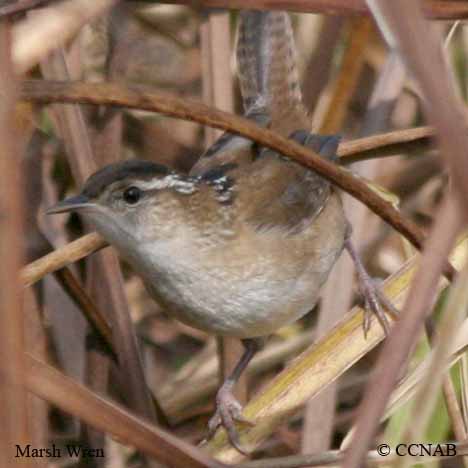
(269, 80)
(267, 68)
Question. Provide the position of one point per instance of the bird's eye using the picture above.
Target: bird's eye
(132, 195)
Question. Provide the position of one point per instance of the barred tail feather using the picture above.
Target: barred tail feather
(267, 69)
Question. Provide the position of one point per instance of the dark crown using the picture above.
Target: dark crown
(143, 170)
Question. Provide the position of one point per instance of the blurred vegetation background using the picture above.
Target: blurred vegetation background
(353, 85)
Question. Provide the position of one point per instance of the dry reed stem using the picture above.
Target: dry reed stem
(396, 347)
(56, 262)
(68, 395)
(338, 291)
(358, 32)
(437, 376)
(442, 106)
(13, 403)
(106, 284)
(401, 22)
(427, 393)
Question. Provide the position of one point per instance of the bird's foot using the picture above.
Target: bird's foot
(228, 410)
(375, 300)
(376, 303)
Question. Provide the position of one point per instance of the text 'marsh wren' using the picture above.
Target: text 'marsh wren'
(242, 245)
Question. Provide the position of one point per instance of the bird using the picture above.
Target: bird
(241, 245)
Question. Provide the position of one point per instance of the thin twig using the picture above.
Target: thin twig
(406, 141)
(61, 257)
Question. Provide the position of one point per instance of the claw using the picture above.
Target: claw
(228, 410)
(375, 302)
(374, 299)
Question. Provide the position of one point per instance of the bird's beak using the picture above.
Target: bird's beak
(70, 204)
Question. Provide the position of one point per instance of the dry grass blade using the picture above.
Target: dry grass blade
(65, 393)
(13, 406)
(326, 360)
(34, 38)
(142, 98)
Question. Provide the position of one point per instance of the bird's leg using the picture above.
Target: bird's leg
(228, 409)
(374, 299)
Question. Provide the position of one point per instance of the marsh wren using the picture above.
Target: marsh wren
(242, 245)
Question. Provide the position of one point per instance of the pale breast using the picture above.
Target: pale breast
(250, 286)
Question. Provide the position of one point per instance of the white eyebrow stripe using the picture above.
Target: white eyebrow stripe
(178, 183)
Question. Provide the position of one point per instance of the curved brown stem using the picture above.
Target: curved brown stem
(433, 9)
(139, 97)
